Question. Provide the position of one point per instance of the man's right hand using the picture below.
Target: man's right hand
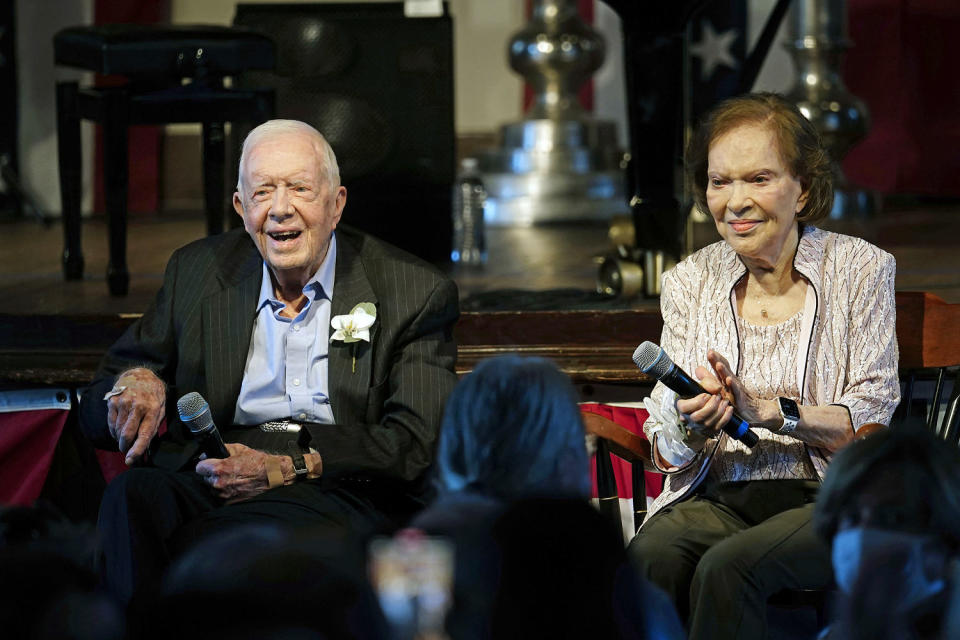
(134, 415)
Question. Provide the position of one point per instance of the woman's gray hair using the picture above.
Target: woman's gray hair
(328, 159)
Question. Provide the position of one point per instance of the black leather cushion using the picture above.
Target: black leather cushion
(136, 49)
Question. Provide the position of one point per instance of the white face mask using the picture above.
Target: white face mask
(859, 547)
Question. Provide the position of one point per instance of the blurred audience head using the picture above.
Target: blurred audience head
(563, 574)
(890, 507)
(48, 581)
(951, 625)
(512, 428)
(903, 478)
(268, 582)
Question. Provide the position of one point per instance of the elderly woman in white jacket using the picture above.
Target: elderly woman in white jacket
(788, 325)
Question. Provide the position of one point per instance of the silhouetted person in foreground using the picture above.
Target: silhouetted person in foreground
(261, 581)
(48, 583)
(890, 509)
(532, 557)
(564, 574)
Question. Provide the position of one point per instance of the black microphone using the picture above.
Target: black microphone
(655, 361)
(195, 413)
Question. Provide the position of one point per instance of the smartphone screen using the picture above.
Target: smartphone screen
(412, 574)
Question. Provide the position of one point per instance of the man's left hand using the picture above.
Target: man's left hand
(241, 476)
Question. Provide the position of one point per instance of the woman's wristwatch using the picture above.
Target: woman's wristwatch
(790, 412)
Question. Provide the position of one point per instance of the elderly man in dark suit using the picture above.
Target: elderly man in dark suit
(341, 335)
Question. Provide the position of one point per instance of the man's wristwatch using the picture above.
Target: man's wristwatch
(299, 464)
(790, 413)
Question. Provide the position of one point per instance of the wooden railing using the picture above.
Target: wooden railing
(593, 347)
(928, 331)
(590, 346)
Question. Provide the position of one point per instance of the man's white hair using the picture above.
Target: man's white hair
(273, 127)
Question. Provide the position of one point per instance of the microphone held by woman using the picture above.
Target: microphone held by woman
(653, 360)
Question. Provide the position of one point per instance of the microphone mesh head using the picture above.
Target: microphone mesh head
(652, 359)
(194, 411)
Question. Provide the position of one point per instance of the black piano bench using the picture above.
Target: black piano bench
(171, 74)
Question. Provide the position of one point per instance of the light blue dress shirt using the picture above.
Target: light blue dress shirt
(286, 371)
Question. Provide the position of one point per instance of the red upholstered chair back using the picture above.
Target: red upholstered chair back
(31, 422)
(617, 467)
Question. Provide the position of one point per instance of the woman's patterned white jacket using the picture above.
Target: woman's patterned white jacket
(848, 348)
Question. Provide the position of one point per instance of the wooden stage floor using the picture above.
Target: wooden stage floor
(924, 238)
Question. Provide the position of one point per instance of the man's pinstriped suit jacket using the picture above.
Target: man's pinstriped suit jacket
(196, 336)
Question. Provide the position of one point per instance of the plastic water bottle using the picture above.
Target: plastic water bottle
(469, 196)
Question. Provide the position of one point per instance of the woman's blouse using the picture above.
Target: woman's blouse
(769, 360)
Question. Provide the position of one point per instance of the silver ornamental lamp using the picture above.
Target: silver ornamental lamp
(558, 164)
(819, 41)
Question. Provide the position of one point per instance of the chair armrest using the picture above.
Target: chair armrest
(869, 428)
(622, 442)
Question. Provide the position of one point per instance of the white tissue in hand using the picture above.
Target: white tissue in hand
(665, 422)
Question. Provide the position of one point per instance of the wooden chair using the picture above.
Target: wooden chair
(929, 352)
(614, 439)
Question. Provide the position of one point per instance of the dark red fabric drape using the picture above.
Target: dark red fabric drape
(904, 66)
(27, 443)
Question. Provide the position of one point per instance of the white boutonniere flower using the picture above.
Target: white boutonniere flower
(354, 327)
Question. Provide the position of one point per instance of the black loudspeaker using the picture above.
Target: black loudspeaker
(379, 87)
(8, 110)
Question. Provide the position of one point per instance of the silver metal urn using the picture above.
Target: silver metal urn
(819, 30)
(558, 163)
